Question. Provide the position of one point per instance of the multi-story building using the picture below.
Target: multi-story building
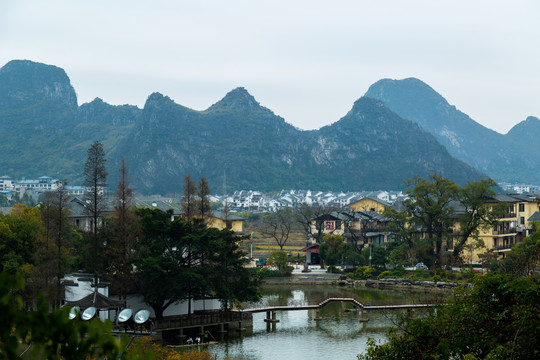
(361, 228)
(6, 184)
(512, 225)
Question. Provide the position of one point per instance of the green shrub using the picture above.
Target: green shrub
(436, 278)
(419, 275)
(385, 274)
(398, 272)
(333, 270)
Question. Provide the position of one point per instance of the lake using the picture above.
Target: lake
(338, 335)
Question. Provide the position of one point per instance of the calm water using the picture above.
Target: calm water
(339, 335)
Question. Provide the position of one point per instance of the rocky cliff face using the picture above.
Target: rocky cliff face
(235, 139)
(495, 154)
(23, 82)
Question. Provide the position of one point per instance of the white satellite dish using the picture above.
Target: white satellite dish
(125, 315)
(88, 313)
(74, 312)
(141, 316)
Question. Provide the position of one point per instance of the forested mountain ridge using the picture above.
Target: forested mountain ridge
(514, 157)
(236, 141)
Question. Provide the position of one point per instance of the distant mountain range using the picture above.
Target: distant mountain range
(514, 157)
(385, 139)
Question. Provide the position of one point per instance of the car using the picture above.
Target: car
(421, 266)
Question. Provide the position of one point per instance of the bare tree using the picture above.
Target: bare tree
(278, 225)
(122, 232)
(305, 215)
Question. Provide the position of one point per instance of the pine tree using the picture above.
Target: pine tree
(95, 182)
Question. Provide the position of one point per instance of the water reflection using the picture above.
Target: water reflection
(338, 335)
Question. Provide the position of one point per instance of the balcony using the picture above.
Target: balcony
(507, 231)
(504, 247)
(510, 215)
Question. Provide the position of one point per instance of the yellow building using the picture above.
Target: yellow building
(369, 204)
(221, 220)
(512, 226)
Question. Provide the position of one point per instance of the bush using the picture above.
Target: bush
(419, 275)
(333, 270)
(398, 272)
(385, 274)
(365, 272)
(436, 278)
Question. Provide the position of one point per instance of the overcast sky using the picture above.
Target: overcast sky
(306, 60)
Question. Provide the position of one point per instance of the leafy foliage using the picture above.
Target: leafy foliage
(179, 260)
(497, 319)
(52, 335)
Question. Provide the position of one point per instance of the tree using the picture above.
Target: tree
(332, 248)
(496, 319)
(122, 233)
(524, 259)
(18, 235)
(54, 248)
(180, 260)
(161, 259)
(189, 199)
(203, 204)
(278, 225)
(366, 221)
(278, 258)
(476, 214)
(95, 181)
(398, 255)
(304, 216)
(229, 279)
(430, 208)
(53, 335)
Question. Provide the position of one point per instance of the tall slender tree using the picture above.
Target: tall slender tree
(204, 207)
(95, 182)
(122, 232)
(189, 199)
(53, 255)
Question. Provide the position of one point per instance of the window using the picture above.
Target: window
(338, 224)
(522, 220)
(521, 207)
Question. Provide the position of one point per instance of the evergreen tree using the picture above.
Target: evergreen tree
(95, 181)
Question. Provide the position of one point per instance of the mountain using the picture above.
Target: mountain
(235, 142)
(495, 154)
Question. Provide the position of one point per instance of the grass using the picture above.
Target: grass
(263, 245)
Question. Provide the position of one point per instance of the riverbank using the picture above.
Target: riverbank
(321, 277)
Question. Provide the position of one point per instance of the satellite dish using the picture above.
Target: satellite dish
(74, 312)
(141, 316)
(88, 313)
(125, 315)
